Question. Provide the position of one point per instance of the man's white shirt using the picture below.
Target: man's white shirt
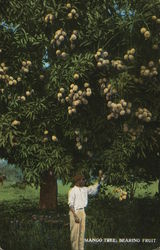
(78, 196)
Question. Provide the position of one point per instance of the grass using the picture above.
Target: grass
(142, 189)
(106, 218)
(63, 189)
(10, 193)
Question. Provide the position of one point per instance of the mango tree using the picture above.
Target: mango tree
(79, 88)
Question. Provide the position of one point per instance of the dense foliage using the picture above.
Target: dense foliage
(79, 86)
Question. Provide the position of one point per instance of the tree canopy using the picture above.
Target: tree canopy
(79, 85)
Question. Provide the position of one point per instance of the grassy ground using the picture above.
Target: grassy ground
(142, 189)
(10, 193)
(24, 225)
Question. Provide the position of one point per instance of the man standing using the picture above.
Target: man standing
(77, 201)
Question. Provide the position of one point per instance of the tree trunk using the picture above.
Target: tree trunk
(48, 191)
